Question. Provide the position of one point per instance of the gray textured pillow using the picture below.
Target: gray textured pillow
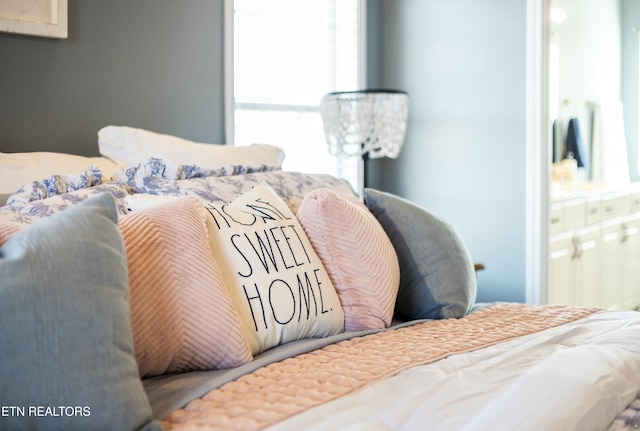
(437, 278)
(66, 359)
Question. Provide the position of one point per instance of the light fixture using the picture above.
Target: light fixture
(558, 15)
(365, 123)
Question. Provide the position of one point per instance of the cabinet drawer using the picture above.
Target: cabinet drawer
(574, 214)
(555, 219)
(615, 205)
(635, 202)
(593, 211)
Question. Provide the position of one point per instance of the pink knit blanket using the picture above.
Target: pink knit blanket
(283, 389)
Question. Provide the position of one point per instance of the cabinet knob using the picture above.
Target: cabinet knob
(577, 248)
(627, 232)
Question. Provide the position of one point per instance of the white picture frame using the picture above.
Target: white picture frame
(45, 18)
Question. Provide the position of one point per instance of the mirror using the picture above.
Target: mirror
(594, 91)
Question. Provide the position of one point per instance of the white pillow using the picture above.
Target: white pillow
(275, 279)
(18, 169)
(140, 201)
(130, 146)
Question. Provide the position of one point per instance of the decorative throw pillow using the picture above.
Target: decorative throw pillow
(7, 229)
(29, 212)
(291, 187)
(437, 278)
(276, 281)
(181, 314)
(357, 254)
(67, 358)
(18, 169)
(130, 146)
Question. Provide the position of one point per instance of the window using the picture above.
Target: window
(285, 55)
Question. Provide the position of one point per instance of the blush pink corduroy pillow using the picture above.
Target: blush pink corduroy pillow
(357, 254)
(182, 317)
(8, 229)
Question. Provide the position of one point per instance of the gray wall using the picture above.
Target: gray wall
(158, 64)
(463, 64)
(155, 64)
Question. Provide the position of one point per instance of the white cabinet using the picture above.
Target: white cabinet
(631, 282)
(561, 270)
(575, 267)
(595, 249)
(588, 272)
(632, 234)
(612, 266)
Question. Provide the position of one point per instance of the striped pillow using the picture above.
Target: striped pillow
(357, 254)
(7, 230)
(182, 317)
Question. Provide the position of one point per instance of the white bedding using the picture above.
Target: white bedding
(517, 385)
(538, 382)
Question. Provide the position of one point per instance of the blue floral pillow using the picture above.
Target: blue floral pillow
(56, 185)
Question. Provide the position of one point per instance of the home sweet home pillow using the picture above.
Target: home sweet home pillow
(275, 279)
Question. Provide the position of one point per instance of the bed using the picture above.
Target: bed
(208, 289)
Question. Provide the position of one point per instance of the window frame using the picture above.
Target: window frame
(229, 96)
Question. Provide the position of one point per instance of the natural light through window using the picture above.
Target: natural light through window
(287, 54)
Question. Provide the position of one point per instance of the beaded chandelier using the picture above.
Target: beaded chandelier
(366, 123)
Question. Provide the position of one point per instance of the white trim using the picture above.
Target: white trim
(229, 129)
(276, 107)
(362, 44)
(538, 141)
(637, 31)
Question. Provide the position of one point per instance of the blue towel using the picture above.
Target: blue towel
(556, 142)
(574, 144)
